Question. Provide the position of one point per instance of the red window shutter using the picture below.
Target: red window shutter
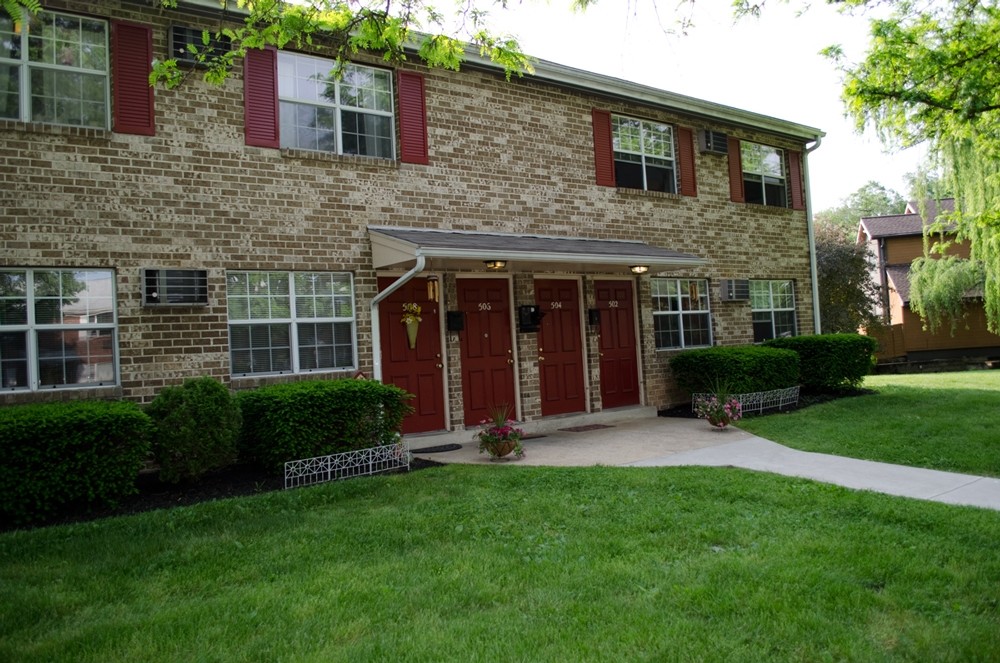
(260, 98)
(685, 158)
(795, 179)
(604, 157)
(735, 172)
(132, 58)
(412, 119)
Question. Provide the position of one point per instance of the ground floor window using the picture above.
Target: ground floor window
(58, 328)
(290, 322)
(773, 306)
(681, 317)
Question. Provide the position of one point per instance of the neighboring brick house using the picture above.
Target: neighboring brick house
(245, 231)
(895, 242)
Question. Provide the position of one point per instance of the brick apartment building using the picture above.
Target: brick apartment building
(273, 228)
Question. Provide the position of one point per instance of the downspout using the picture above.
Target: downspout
(812, 235)
(376, 326)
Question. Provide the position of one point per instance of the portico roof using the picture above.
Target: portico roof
(398, 248)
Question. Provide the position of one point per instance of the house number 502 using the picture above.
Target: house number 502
(612, 303)
(484, 306)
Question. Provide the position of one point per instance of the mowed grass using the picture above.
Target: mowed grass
(515, 563)
(943, 421)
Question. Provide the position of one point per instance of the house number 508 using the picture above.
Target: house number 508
(484, 306)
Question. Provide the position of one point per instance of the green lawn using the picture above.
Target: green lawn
(944, 421)
(483, 563)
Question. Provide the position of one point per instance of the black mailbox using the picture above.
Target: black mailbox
(529, 317)
(455, 321)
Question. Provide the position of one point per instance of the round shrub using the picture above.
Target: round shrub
(831, 362)
(197, 427)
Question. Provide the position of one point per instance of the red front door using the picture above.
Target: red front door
(418, 370)
(486, 348)
(619, 367)
(560, 351)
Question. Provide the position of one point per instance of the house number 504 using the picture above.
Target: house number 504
(556, 305)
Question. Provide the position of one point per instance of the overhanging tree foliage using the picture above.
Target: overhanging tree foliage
(847, 293)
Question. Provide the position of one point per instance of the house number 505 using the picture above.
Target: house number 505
(484, 306)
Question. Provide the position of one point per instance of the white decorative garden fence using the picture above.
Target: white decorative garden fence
(759, 401)
(321, 469)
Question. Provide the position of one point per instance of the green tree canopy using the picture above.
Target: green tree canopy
(871, 199)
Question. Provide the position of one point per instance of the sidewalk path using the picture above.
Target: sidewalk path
(756, 453)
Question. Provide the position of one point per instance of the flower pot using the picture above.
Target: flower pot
(501, 448)
(719, 421)
(411, 333)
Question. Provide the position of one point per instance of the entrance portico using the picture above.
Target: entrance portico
(548, 326)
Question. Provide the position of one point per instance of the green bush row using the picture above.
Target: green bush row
(831, 362)
(83, 454)
(741, 369)
(69, 455)
(819, 363)
(308, 419)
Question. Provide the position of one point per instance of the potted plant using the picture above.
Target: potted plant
(719, 409)
(411, 318)
(498, 435)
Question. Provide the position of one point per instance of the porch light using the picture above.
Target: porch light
(495, 264)
(639, 269)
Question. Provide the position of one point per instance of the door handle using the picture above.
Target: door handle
(541, 359)
(510, 361)
(440, 365)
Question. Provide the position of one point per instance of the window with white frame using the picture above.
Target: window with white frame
(352, 115)
(772, 304)
(54, 69)
(681, 317)
(764, 181)
(57, 328)
(290, 322)
(644, 154)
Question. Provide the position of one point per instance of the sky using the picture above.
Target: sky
(769, 65)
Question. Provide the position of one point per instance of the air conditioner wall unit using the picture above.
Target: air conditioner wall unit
(735, 290)
(174, 287)
(713, 142)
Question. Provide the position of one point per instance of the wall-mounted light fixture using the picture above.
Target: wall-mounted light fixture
(639, 269)
(495, 264)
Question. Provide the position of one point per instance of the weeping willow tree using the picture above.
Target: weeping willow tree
(931, 75)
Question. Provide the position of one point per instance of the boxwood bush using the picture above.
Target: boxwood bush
(197, 427)
(740, 369)
(61, 456)
(831, 362)
(320, 417)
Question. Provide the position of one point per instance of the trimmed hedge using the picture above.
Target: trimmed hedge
(60, 456)
(831, 362)
(316, 418)
(741, 369)
(197, 428)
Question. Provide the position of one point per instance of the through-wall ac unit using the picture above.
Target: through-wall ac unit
(175, 287)
(713, 142)
(181, 36)
(735, 290)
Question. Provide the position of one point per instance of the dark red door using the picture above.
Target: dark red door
(560, 350)
(418, 370)
(486, 349)
(616, 343)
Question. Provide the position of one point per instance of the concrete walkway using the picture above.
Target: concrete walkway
(664, 441)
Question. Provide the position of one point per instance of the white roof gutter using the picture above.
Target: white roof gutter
(376, 325)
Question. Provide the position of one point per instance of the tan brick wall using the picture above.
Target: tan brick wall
(507, 157)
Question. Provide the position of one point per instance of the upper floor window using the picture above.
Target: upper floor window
(681, 317)
(353, 115)
(763, 175)
(55, 70)
(290, 322)
(773, 307)
(644, 154)
(57, 328)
